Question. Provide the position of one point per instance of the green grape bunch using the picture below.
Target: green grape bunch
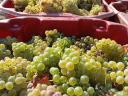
(52, 35)
(57, 65)
(77, 7)
(51, 6)
(39, 45)
(22, 50)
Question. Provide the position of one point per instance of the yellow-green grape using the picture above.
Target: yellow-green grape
(120, 73)
(54, 71)
(64, 71)
(119, 80)
(36, 92)
(40, 67)
(20, 80)
(56, 78)
(112, 64)
(63, 79)
(70, 91)
(78, 91)
(120, 66)
(84, 79)
(62, 64)
(2, 84)
(126, 72)
(9, 85)
(86, 93)
(113, 75)
(11, 79)
(125, 89)
(105, 64)
(70, 66)
(72, 81)
(90, 91)
(126, 79)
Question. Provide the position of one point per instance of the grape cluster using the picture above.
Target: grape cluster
(51, 6)
(63, 66)
(78, 7)
(85, 43)
(39, 45)
(107, 49)
(62, 43)
(15, 85)
(12, 66)
(52, 35)
(35, 9)
(24, 50)
(43, 62)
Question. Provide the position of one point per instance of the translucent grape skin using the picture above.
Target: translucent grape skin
(86, 93)
(54, 70)
(126, 79)
(126, 72)
(113, 75)
(62, 64)
(120, 66)
(120, 80)
(2, 84)
(72, 81)
(40, 67)
(120, 73)
(84, 79)
(63, 79)
(11, 79)
(125, 89)
(20, 80)
(78, 91)
(70, 91)
(90, 91)
(70, 66)
(9, 85)
(56, 78)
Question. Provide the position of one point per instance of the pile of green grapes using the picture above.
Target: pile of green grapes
(63, 66)
(78, 7)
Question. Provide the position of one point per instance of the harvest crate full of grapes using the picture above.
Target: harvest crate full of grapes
(63, 57)
(57, 8)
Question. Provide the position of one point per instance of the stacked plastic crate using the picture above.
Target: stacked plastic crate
(24, 26)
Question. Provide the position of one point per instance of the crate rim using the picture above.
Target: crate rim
(118, 13)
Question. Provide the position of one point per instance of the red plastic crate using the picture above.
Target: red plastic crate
(7, 7)
(120, 8)
(24, 28)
